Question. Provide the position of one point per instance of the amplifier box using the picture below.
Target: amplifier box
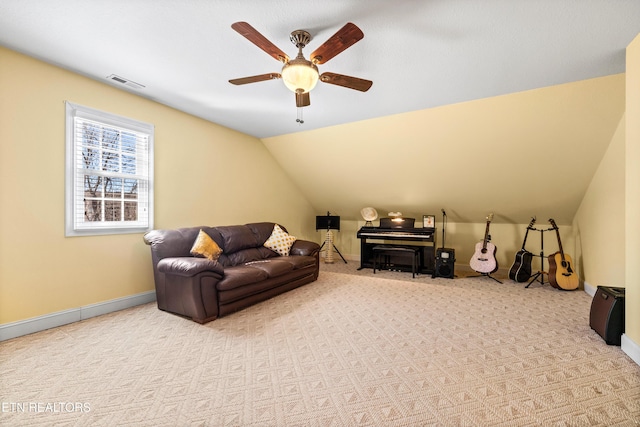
(607, 314)
(445, 263)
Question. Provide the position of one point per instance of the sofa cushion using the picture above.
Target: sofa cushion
(273, 267)
(280, 241)
(236, 238)
(239, 276)
(299, 261)
(205, 247)
(263, 230)
(232, 299)
(188, 266)
(247, 255)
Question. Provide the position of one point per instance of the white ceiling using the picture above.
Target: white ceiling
(418, 53)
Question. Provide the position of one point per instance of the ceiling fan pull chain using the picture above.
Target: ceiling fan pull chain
(299, 119)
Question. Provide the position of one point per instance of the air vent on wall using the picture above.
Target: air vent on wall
(125, 82)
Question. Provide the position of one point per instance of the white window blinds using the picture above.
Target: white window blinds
(109, 173)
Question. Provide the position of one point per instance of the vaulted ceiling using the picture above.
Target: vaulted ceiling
(422, 56)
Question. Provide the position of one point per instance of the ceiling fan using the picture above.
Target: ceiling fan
(301, 75)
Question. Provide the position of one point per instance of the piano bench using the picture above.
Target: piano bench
(385, 252)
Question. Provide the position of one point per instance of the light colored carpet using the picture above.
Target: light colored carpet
(348, 350)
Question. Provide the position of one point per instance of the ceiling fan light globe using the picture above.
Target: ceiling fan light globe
(300, 75)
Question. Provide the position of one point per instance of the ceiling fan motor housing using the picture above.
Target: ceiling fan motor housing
(300, 38)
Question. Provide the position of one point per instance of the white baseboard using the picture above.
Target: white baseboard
(53, 320)
(631, 348)
(590, 289)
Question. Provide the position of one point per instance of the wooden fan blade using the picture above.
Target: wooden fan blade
(254, 79)
(302, 99)
(346, 81)
(251, 34)
(346, 36)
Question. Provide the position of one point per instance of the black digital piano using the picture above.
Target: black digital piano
(394, 231)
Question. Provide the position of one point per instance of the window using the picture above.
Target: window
(109, 173)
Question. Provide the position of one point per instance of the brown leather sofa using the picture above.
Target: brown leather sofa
(245, 273)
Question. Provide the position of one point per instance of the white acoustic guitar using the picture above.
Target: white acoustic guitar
(484, 258)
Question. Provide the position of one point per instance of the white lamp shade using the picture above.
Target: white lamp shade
(300, 75)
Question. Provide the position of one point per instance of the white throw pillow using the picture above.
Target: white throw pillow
(280, 241)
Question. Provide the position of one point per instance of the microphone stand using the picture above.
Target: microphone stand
(450, 253)
(444, 224)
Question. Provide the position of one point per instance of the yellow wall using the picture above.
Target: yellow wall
(506, 154)
(599, 229)
(632, 297)
(518, 155)
(205, 174)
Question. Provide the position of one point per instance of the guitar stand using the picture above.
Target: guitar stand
(336, 249)
(539, 276)
(487, 275)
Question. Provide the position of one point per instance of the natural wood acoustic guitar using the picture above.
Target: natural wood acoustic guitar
(561, 273)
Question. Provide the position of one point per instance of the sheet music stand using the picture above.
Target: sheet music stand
(329, 222)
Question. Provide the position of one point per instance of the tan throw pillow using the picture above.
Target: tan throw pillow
(206, 247)
(280, 241)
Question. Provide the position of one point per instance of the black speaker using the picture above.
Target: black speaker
(445, 263)
(607, 314)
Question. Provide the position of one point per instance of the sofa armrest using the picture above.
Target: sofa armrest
(189, 266)
(304, 247)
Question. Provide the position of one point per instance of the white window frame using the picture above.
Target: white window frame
(75, 222)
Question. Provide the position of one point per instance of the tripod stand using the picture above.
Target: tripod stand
(487, 275)
(329, 222)
(328, 240)
(539, 276)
